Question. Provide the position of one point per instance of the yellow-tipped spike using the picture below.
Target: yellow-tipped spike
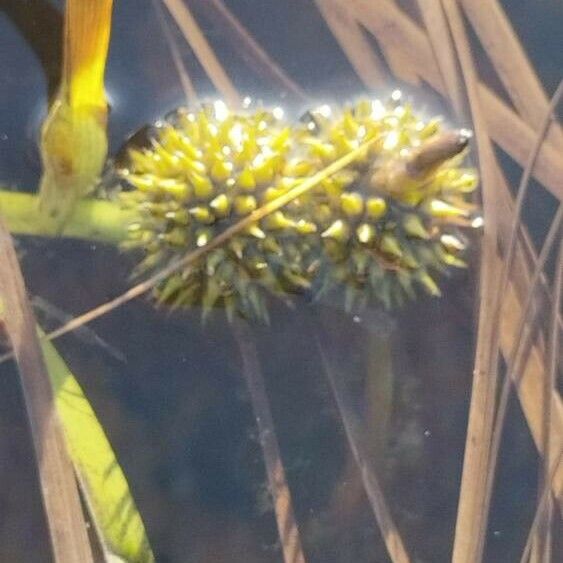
(73, 136)
(376, 207)
(414, 227)
(278, 220)
(221, 205)
(203, 188)
(352, 204)
(202, 215)
(221, 169)
(245, 204)
(256, 232)
(428, 283)
(390, 245)
(339, 231)
(452, 243)
(304, 227)
(365, 233)
(246, 180)
(202, 237)
(263, 169)
(442, 210)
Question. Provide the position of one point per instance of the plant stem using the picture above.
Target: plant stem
(92, 219)
(358, 444)
(285, 516)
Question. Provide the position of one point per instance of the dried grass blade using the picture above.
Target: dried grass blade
(194, 255)
(517, 139)
(539, 513)
(203, 51)
(402, 66)
(350, 37)
(444, 52)
(543, 538)
(530, 389)
(503, 285)
(511, 62)
(402, 32)
(283, 506)
(187, 83)
(396, 31)
(243, 41)
(516, 362)
(356, 441)
(65, 520)
(472, 509)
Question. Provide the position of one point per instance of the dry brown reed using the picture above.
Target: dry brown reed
(195, 37)
(283, 506)
(185, 80)
(61, 501)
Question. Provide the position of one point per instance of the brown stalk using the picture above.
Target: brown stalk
(517, 139)
(203, 51)
(511, 63)
(497, 311)
(61, 501)
(543, 544)
(390, 25)
(469, 542)
(444, 52)
(360, 450)
(279, 489)
(516, 361)
(194, 255)
(247, 46)
(539, 513)
(187, 84)
(400, 63)
(354, 44)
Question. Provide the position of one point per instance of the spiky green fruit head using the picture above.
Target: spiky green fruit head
(204, 171)
(388, 223)
(376, 229)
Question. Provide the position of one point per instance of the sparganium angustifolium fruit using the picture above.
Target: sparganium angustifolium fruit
(374, 231)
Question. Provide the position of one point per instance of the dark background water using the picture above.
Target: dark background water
(177, 411)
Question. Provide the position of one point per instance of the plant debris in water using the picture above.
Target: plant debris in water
(373, 232)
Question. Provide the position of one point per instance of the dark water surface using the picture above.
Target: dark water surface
(177, 411)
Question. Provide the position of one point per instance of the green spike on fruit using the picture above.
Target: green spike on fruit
(443, 210)
(414, 226)
(428, 283)
(246, 180)
(376, 207)
(352, 204)
(209, 170)
(390, 245)
(221, 205)
(202, 186)
(366, 233)
(202, 215)
(245, 204)
(338, 231)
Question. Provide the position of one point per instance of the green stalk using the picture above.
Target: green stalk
(102, 480)
(92, 219)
